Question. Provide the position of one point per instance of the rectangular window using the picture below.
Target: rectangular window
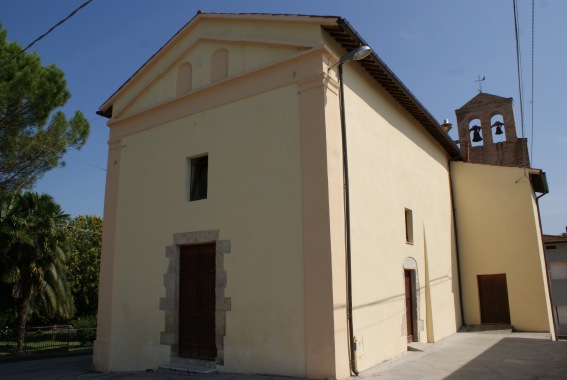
(199, 167)
(409, 226)
(562, 315)
(558, 270)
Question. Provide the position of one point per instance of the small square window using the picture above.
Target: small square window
(409, 226)
(198, 178)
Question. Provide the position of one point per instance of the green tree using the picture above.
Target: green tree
(7, 304)
(85, 239)
(31, 143)
(35, 244)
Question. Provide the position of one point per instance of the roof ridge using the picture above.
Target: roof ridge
(480, 98)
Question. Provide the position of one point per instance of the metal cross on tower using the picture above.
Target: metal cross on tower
(480, 83)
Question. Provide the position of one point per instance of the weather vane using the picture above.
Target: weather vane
(480, 83)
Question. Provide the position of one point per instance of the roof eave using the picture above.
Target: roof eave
(346, 36)
(538, 180)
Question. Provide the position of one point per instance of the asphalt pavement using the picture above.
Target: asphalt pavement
(464, 356)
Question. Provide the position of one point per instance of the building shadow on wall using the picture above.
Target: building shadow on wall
(517, 358)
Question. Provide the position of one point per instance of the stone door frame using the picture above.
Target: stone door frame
(170, 303)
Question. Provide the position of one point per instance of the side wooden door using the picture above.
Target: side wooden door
(493, 296)
(197, 301)
(409, 305)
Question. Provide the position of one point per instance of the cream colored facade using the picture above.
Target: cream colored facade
(496, 212)
(394, 166)
(556, 257)
(262, 104)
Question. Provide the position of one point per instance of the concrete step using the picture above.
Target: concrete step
(489, 329)
(187, 368)
(419, 346)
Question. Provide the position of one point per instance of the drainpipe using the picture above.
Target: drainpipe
(355, 55)
(457, 246)
(553, 319)
(352, 341)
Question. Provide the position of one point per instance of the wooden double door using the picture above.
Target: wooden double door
(197, 301)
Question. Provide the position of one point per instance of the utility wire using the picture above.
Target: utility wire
(33, 43)
(520, 84)
(46, 33)
(87, 163)
(533, 70)
(47, 149)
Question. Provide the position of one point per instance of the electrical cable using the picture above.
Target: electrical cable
(33, 43)
(46, 33)
(51, 149)
(533, 70)
(520, 84)
(87, 163)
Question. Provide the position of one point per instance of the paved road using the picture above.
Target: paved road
(57, 368)
(461, 356)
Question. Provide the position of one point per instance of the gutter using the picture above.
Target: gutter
(463, 322)
(105, 113)
(553, 319)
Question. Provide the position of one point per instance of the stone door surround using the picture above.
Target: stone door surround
(170, 303)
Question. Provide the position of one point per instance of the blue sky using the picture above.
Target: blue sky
(438, 48)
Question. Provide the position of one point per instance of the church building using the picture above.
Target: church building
(279, 202)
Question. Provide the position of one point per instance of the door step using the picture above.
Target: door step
(490, 329)
(419, 346)
(187, 368)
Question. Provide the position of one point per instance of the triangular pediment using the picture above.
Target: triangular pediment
(251, 44)
(483, 100)
(243, 57)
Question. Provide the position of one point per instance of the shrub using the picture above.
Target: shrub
(85, 330)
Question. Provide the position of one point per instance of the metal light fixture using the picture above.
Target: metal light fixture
(446, 125)
(476, 133)
(354, 55)
(498, 125)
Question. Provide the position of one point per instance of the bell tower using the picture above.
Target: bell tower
(487, 132)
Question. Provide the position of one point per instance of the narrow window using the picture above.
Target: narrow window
(409, 226)
(184, 78)
(198, 178)
(219, 65)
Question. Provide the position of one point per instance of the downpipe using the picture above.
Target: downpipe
(348, 258)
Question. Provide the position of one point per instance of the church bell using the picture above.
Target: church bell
(476, 133)
(498, 125)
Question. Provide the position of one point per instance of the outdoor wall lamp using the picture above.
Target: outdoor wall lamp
(354, 55)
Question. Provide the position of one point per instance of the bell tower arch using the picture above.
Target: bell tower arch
(497, 132)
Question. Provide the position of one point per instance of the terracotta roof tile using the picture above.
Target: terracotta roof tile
(554, 239)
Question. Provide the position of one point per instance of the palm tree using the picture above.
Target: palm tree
(35, 250)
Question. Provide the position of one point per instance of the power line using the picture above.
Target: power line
(46, 33)
(533, 70)
(520, 83)
(87, 163)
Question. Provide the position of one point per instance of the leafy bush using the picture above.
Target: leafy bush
(85, 330)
